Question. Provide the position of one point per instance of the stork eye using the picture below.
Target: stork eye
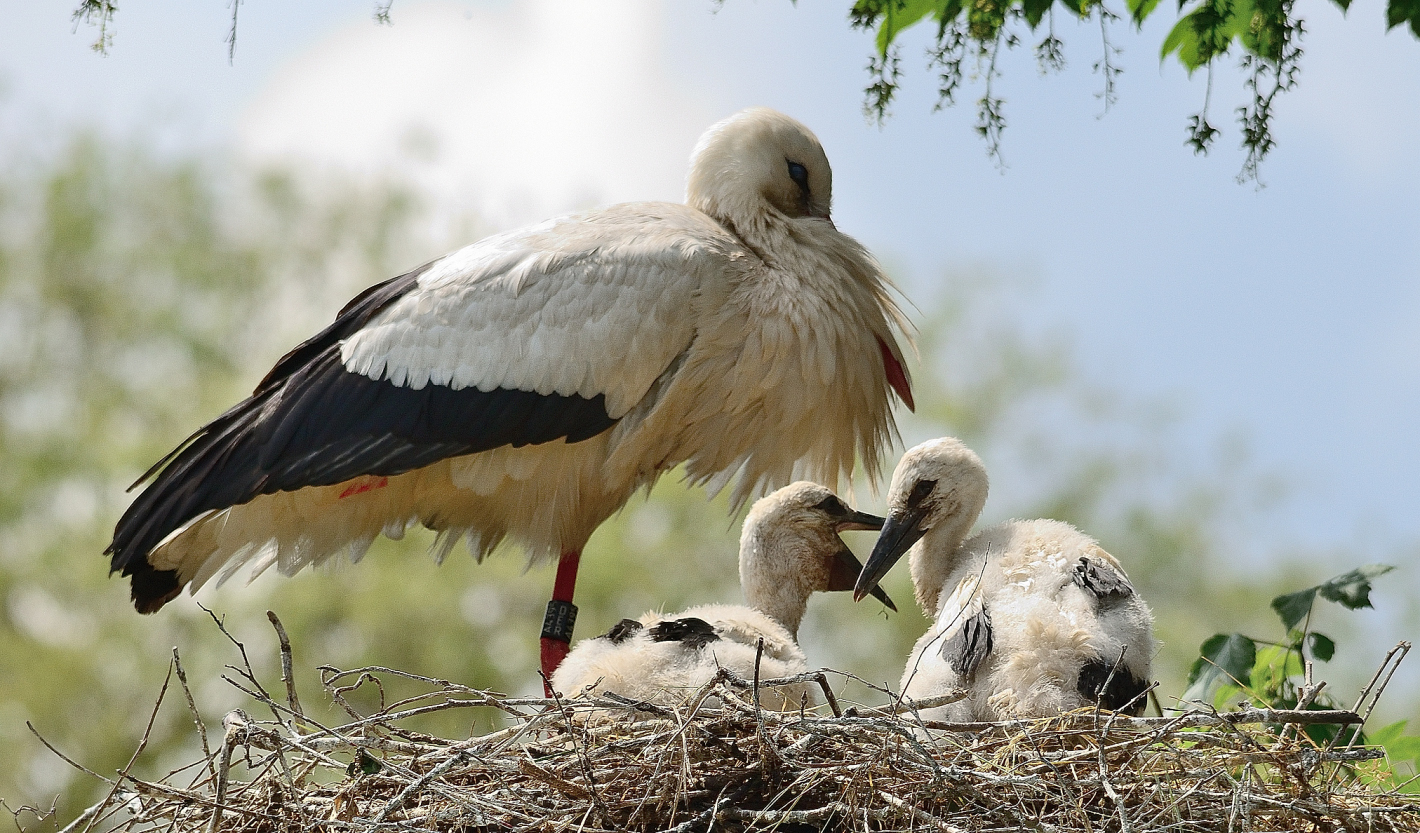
(800, 175)
(832, 506)
(920, 492)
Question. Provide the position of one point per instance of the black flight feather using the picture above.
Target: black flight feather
(623, 630)
(1107, 584)
(691, 632)
(311, 422)
(970, 645)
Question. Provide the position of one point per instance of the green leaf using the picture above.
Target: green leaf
(1262, 27)
(364, 764)
(1320, 646)
(1293, 608)
(1344, 5)
(1350, 590)
(1353, 590)
(897, 18)
(1223, 658)
(1404, 748)
(1226, 696)
(1386, 735)
(1034, 10)
(1402, 11)
(1141, 9)
(1181, 31)
(1207, 31)
(1278, 661)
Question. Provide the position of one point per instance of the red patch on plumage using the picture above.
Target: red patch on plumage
(896, 376)
(366, 486)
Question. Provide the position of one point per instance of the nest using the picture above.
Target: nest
(722, 762)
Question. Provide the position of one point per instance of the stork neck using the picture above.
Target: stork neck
(761, 234)
(934, 558)
(786, 605)
(774, 582)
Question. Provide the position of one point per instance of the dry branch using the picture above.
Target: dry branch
(720, 762)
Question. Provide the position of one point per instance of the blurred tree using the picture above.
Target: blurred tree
(1266, 35)
(130, 307)
(140, 296)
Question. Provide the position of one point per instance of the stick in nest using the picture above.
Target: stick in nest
(1196, 772)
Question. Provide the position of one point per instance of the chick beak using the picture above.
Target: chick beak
(859, 520)
(900, 532)
(845, 570)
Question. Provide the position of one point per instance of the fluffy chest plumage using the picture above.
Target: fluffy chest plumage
(785, 378)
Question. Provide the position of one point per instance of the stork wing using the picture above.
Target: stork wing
(965, 627)
(1102, 579)
(548, 333)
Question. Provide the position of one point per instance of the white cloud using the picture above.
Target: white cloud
(516, 112)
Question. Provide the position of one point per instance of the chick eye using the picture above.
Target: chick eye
(800, 175)
(832, 506)
(920, 491)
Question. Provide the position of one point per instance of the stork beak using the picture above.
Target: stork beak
(900, 532)
(845, 570)
(859, 520)
(846, 565)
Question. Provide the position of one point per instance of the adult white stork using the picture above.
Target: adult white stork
(789, 549)
(525, 386)
(1032, 618)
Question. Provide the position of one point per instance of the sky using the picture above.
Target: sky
(1286, 314)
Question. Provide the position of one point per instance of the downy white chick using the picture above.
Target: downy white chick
(789, 549)
(1032, 618)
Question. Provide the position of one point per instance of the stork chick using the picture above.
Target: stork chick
(524, 387)
(1032, 618)
(789, 548)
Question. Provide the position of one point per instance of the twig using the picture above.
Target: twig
(235, 723)
(909, 706)
(142, 744)
(192, 708)
(758, 711)
(232, 34)
(65, 758)
(918, 814)
(1398, 652)
(417, 784)
(287, 676)
(822, 680)
(246, 669)
(577, 748)
(529, 767)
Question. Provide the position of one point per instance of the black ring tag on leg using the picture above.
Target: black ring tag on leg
(559, 620)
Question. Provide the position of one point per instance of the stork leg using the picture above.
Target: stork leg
(561, 616)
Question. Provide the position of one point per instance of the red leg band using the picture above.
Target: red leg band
(560, 618)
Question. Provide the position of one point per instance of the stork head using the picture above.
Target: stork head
(938, 491)
(759, 161)
(790, 548)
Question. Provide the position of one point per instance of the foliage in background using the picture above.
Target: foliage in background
(1277, 674)
(141, 296)
(1266, 35)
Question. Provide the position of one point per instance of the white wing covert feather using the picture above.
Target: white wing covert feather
(538, 308)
